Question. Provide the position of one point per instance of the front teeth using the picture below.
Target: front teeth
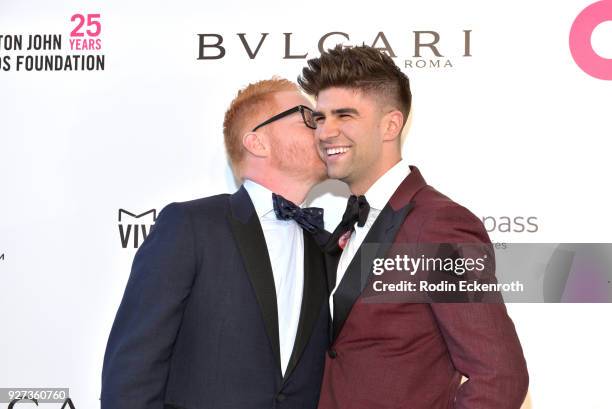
(334, 151)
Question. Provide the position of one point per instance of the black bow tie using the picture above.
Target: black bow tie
(357, 209)
(309, 218)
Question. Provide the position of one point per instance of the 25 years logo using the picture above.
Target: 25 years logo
(33, 52)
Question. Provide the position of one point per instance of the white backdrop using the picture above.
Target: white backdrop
(515, 130)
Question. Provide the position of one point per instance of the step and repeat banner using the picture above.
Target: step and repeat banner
(110, 110)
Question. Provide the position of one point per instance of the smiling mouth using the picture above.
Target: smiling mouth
(336, 151)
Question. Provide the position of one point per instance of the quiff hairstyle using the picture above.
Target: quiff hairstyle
(251, 104)
(363, 68)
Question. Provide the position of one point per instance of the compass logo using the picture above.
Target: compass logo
(580, 40)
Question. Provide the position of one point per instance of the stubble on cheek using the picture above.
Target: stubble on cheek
(285, 157)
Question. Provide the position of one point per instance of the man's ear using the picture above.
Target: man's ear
(256, 144)
(392, 124)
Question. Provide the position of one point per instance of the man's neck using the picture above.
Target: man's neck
(291, 189)
(361, 186)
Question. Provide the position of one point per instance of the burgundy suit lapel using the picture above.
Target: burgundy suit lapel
(376, 244)
(407, 189)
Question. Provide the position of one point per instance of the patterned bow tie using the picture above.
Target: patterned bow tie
(309, 218)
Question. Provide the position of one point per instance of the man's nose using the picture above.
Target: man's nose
(327, 130)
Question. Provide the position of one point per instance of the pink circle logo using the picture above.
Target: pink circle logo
(580, 40)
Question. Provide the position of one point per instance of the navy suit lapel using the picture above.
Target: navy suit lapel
(314, 295)
(378, 240)
(252, 245)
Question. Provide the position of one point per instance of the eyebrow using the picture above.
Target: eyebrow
(339, 111)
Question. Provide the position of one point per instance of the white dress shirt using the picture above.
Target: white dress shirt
(377, 196)
(285, 243)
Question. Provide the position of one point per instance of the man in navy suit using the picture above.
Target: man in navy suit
(226, 304)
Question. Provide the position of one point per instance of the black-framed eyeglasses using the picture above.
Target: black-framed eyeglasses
(302, 109)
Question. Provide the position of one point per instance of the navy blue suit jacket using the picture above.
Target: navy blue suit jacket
(198, 326)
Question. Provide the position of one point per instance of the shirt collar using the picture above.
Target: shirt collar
(260, 196)
(381, 191)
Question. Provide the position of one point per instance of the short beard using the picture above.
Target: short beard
(286, 157)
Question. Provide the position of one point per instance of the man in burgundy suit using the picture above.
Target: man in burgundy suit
(398, 355)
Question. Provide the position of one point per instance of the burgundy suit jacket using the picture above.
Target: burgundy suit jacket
(411, 355)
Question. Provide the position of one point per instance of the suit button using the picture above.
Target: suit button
(280, 397)
(332, 353)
